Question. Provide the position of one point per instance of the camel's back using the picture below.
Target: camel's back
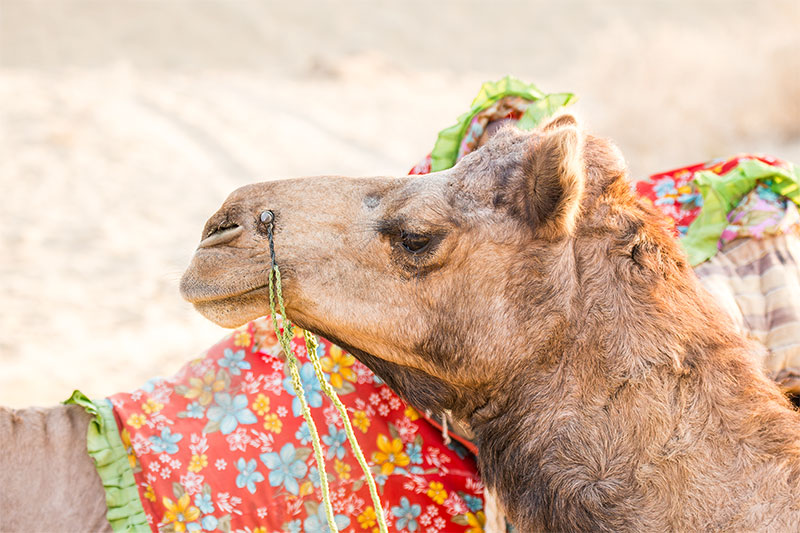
(48, 482)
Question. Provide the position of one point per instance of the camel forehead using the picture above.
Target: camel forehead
(493, 166)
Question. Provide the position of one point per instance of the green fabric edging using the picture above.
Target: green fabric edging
(445, 151)
(125, 511)
(723, 193)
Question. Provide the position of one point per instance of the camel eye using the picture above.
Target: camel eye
(414, 242)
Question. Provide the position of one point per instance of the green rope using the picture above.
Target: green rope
(285, 337)
(311, 345)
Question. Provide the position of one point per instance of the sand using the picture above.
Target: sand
(124, 125)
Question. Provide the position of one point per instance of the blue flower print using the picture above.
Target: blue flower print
(303, 434)
(406, 514)
(151, 383)
(313, 476)
(195, 410)
(414, 452)
(690, 200)
(293, 526)
(335, 441)
(318, 523)
(310, 385)
(167, 442)
(474, 503)
(234, 361)
(285, 468)
(204, 503)
(230, 412)
(210, 523)
(193, 526)
(248, 475)
(665, 187)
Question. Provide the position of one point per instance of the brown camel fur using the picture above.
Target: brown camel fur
(47, 480)
(529, 292)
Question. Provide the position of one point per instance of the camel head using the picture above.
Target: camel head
(447, 285)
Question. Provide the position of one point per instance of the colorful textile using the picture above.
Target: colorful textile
(757, 281)
(505, 98)
(699, 198)
(223, 446)
(760, 214)
(738, 221)
(110, 454)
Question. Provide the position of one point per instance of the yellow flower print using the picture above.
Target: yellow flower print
(361, 421)
(436, 491)
(343, 469)
(260, 529)
(306, 488)
(273, 423)
(261, 405)
(476, 522)
(151, 406)
(136, 420)
(180, 512)
(241, 338)
(411, 413)
(338, 364)
(367, 519)
(198, 462)
(204, 389)
(149, 493)
(125, 436)
(391, 455)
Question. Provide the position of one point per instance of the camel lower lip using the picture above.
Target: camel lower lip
(215, 298)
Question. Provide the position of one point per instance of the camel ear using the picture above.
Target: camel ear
(554, 177)
(561, 121)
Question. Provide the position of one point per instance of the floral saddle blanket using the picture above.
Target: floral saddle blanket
(223, 446)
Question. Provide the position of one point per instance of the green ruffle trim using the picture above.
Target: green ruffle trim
(723, 193)
(445, 151)
(125, 511)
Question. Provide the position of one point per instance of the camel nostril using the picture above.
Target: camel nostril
(221, 236)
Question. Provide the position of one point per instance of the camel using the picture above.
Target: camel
(529, 293)
(577, 362)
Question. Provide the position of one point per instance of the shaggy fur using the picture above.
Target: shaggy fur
(552, 312)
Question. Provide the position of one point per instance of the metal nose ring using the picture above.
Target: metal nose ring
(267, 217)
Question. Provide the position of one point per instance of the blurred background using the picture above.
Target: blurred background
(124, 124)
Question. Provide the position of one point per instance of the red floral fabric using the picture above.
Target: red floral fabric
(675, 194)
(223, 446)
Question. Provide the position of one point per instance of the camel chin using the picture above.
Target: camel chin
(234, 311)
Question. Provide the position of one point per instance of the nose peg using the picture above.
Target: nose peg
(267, 217)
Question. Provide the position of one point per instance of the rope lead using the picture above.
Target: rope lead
(284, 337)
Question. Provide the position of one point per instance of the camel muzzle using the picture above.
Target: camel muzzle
(222, 236)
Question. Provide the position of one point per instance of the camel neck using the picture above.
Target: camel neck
(580, 451)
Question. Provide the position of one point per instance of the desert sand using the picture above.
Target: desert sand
(124, 125)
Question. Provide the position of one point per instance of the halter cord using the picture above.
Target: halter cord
(284, 337)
